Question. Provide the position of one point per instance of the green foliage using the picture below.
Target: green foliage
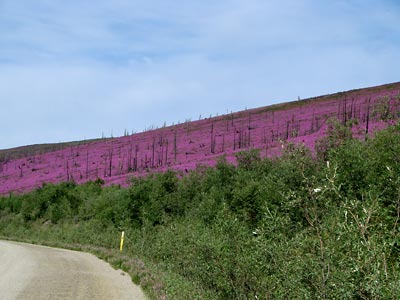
(336, 134)
(293, 227)
(248, 159)
(386, 108)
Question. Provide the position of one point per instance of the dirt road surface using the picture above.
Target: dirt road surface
(30, 272)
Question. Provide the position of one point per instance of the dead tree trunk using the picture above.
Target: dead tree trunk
(175, 145)
(87, 163)
(110, 155)
(367, 121)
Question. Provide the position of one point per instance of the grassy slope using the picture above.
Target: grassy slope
(186, 145)
(31, 150)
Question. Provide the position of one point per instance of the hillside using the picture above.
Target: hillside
(184, 146)
(32, 150)
(297, 226)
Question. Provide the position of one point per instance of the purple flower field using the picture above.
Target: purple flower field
(185, 146)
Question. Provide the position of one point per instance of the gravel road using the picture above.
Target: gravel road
(32, 272)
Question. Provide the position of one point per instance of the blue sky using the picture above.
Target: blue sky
(73, 70)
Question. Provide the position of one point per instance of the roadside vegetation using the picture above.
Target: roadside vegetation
(299, 226)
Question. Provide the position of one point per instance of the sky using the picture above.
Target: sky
(80, 69)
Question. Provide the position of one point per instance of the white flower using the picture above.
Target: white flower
(317, 190)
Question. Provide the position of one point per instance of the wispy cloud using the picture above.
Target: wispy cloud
(75, 69)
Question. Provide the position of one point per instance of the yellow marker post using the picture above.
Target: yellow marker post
(122, 241)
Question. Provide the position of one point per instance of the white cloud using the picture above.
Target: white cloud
(74, 69)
